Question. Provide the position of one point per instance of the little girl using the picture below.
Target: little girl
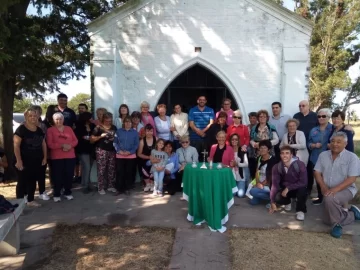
(158, 169)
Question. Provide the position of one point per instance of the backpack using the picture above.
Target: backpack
(6, 206)
(281, 169)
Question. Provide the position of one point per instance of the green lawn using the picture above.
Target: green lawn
(356, 127)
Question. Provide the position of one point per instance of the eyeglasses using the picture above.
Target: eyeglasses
(322, 116)
(184, 142)
(237, 117)
(302, 106)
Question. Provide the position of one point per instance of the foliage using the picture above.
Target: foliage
(79, 98)
(20, 105)
(334, 45)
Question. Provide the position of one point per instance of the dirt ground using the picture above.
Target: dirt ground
(286, 249)
(105, 247)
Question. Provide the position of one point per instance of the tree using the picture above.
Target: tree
(20, 105)
(39, 52)
(80, 98)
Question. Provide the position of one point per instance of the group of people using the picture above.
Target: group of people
(274, 159)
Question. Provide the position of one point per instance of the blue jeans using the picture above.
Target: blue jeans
(241, 185)
(259, 195)
(159, 180)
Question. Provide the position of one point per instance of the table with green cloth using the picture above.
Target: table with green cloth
(209, 193)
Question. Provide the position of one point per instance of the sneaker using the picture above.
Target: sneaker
(147, 188)
(112, 190)
(57, 199)
(69, 197)
(160, 194)
(152, 187)
(102, 192)
(300, 215)
(317, 201)
(44, 197)
(356, 212)
(288, 208)
(154, 193)
(33, 204)
(336, 231)
(268, 206)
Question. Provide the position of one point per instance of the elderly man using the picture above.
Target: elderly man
(336, 171)
(308, 119)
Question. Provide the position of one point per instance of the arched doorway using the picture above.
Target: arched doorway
(193, 82)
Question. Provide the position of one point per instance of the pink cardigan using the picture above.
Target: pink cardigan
(54, 140)
(228, 154)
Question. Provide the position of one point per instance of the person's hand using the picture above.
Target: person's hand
(331, 191)
(318, 145)
(19, 165)
(284, 192)
(154, 160)
(159, 169)
(172, 129)
(244, 148)
(209, 159)
(232, 163)
(324, 190)
(44, 161)
(121, 153)
(349, 128)
(167, 172)
(103, 135)
(182, 167)
(272, 208)
(259, 185)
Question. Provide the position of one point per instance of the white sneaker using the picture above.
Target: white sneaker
(102, 192)
(33, 204)
(300, 216)
(154, 193)
(111, 190)
(288, 207)
(147, 188)
(160, 194)
(268, 206)
(44, 197)
(69, 197)
(152, 188)
(57, 199)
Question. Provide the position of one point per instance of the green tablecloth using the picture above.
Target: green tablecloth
(209, 194)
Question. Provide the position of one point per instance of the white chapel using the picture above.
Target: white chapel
(172, 51)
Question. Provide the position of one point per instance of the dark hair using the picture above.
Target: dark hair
(106, 115)
(266, 143)
(136, 114)
(177, 104)
(233, 135)
(226, 99)
(51, 109)
(338, 113)
(286, 147)
(148, 127)
(263, 112)
(222, 115)
(84, 117)
(124, 106)
(61, 95)
(159, 140)
(83, 105)
(169, 143)
(276, 103)
(252, 114)
(126, 119)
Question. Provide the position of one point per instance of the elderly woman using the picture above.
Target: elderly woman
(238, 128)
(296, 139)
(144, 153)
(31, 155)
(123, 112)
(162, 124)
(61, 141)
(220, 152)
(84, 149)
(262, 131)
(135, 119)
(179, 124)
(99, 116)
(219, 125)
(338, 120)
(146, 117)
(317, 143)
(126, 143)
(261, 190)
(103, 138)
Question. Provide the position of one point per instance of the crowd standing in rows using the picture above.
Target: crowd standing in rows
(274, 159)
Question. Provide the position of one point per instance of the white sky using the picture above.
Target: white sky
(83, 86)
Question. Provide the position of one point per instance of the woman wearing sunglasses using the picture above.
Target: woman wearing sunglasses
(318, 140)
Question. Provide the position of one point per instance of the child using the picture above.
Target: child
(158, 169)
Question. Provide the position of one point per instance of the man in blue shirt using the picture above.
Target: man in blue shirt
(201, 118)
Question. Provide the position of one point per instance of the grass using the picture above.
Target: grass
(105, 247)
(356, 127)
(285, 249)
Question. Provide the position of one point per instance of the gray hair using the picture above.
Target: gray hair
(185, 138)
(292, 120)
(325, 111)
(144, 104)
(58, 114)
(339, 134)
(238, 112)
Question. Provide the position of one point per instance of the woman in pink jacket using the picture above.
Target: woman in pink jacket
(220, 152)
(61, 141)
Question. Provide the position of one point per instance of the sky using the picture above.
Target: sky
(74, 87)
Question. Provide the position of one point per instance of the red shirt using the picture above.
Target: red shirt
(240, 130)
(55, 139)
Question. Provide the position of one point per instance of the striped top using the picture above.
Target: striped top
(201, 119)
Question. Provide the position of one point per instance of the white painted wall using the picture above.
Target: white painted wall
(259, 51)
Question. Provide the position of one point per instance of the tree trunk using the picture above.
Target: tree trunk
(7, 95)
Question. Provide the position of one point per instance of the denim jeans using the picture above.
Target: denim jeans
(159, 180)
(259, 195)
(241, 185)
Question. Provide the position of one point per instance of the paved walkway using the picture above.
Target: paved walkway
(194, 248)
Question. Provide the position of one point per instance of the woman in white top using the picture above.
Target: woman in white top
(162, 124)
(123, 112)
(179, 124)
(241, 162)
(296, 139)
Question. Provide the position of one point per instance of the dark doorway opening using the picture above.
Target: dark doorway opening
(194, 82)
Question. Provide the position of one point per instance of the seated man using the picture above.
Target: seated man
(289, 180)
(335, 172)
